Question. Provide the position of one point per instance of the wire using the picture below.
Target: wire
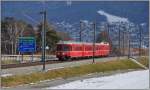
(30, 18)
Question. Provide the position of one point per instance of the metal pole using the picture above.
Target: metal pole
(43, 38)
(119, 42)
(22, 57)
(140, 41)
(109, 40)
(108, 29)
(80, 30)
(129, 45)
(123, 43)
(94, 26)
(32, 57)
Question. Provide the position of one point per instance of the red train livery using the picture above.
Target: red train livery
(68, 50)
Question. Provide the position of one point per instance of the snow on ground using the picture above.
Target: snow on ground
(112, 18)
(130, 80)
(6, 75)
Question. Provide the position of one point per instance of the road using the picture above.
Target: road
(31, 69)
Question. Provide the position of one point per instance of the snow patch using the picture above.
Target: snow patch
(112, 18)
(6, 75)
(55, 68)
(130, 80)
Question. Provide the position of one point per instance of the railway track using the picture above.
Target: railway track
(27, 68)
(7, 66)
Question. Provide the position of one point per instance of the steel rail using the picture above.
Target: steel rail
(7, 66)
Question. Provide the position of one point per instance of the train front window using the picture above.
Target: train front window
(59, 47)
(63, 48)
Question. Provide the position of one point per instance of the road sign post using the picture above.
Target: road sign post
(32, 57)
(21, 57)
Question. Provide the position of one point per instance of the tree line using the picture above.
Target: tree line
(12, 29)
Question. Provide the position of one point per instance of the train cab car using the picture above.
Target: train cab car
(63, 51)
(67, 50)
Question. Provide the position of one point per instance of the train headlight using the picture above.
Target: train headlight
(63, 53)
(58, 53)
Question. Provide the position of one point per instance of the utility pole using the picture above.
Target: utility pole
(94, 26)
(43, 37)
(140, 41)
(109, 40)
(107, 31)
(123, 43)
(129, 44)
(119, 41)
(80, 30)
(129, 50)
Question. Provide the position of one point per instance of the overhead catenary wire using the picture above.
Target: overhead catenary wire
(30, 18)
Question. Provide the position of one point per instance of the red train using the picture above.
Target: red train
(68, 50)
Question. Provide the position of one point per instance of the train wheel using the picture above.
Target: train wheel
(66, 58)
(69, 58)
(60, 59)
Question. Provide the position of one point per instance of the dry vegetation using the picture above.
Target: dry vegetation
(9, 62)
(144, 60)
(71, 72)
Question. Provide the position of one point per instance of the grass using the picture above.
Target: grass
(144, 60)
(70, 72)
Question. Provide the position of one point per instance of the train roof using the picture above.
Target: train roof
(74, 42)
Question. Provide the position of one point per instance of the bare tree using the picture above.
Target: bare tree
(11, 30)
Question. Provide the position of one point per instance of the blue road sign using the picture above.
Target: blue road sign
(27, 44)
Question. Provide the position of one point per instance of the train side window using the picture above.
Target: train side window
(86, 48)
(77, 48)
(89, 48)
(66, 48)
(70, 48)
(97, 48)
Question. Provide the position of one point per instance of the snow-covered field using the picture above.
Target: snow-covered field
(130, 80)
